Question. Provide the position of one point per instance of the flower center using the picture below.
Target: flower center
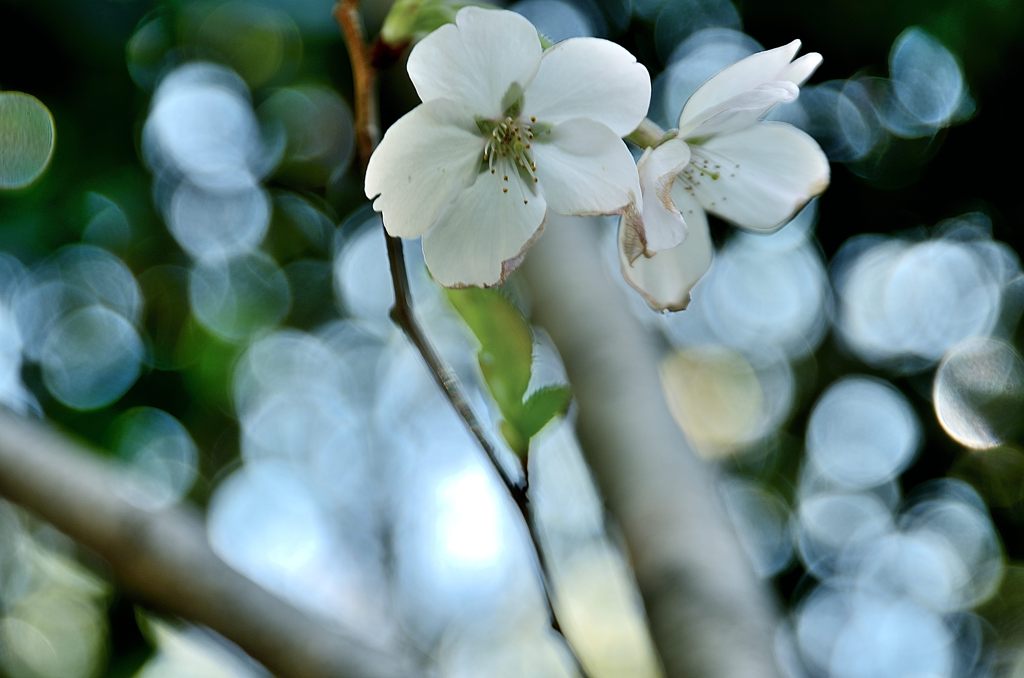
(508, 143)
(707, 166)
(702, 167)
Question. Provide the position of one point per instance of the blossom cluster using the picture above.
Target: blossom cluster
(508, 131)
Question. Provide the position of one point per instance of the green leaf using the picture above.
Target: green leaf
(542, 406)
(412, 19)
(506, 361)
(515, 439)
(506, 344)
(26, 139)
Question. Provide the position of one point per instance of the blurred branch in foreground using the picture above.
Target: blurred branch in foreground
(709, 615)
(164, 558)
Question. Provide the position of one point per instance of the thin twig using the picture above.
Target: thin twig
(401, 315)
(367, 122)
(364, 76)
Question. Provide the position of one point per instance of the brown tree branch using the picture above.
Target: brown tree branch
(364, 79)
(367, 117)
(709, 615)
(163, 557)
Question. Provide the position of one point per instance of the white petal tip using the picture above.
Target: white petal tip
(660, 305)
(672, 307)
(507, 269)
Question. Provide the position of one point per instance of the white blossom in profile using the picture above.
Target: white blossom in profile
(507, 131)
(725, 159)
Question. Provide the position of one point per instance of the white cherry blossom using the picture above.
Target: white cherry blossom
(506, 132)
(727, 160)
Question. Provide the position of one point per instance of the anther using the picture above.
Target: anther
(510, 143)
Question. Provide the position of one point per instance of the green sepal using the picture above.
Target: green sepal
(512, 102)
(486, 126)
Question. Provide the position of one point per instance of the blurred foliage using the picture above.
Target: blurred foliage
(26, 135)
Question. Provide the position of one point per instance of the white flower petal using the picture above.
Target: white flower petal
(590, 78)
(767, 173)
(801, 69)
(742, 76)
(585, 168)
(665, 279)
(475, 60)
(428, 156)
(480, 240)
(656, 224)
(743, 110)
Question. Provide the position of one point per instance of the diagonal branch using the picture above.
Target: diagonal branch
(163, 557)
(367, 117)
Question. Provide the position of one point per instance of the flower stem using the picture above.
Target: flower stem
(647, 134)
(367, 125)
